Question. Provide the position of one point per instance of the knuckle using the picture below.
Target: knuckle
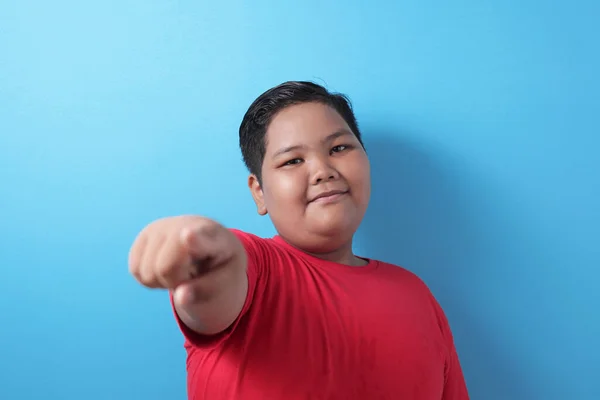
(134, 270)
(208, 229)
(132, 264)
(164, 267)
(147, 278)
(133, 261)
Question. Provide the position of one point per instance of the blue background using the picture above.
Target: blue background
(480, 117)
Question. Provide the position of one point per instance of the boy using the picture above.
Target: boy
(299, 316)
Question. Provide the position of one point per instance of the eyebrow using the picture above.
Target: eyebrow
(329, 138)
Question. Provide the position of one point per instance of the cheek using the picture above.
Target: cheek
(285, 189)
(358, 173)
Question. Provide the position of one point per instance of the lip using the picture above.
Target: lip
(330, 195)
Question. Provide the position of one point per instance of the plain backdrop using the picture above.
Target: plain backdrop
(480, 118)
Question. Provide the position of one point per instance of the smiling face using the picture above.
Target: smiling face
(315, 178)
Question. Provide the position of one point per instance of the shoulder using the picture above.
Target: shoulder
(254, 243)
(419, 288)
(262, 252)
(412, 284)
(246, 237)
(402, 274)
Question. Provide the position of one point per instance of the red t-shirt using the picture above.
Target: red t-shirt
(313, 329)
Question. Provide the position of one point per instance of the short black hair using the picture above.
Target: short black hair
(260, 113)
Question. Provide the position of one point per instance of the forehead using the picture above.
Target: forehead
(303, 124)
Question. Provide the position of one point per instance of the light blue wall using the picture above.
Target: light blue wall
(481, 118)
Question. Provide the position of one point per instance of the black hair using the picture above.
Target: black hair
(260, 113)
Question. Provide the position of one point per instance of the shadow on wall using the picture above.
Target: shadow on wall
(420, 218)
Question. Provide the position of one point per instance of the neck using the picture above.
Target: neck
(343, 255)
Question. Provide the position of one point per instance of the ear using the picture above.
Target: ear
(257, 194)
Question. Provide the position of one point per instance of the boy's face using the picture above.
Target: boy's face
(311, 152)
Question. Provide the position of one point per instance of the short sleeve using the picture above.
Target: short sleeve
(455, 387)
(255, 251)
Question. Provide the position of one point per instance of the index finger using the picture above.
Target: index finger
(207, 244)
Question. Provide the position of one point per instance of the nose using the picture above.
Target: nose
(323, 171)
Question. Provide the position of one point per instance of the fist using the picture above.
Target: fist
(176, 251)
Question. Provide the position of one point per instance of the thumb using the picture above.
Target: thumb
(184, 295)
(194, 291)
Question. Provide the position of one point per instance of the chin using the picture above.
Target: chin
(322, 233)
(338, 223)
(335, 233)
(326, 229)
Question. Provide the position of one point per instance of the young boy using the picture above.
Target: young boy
(299, 316)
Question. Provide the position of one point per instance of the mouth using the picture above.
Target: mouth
(331, 195)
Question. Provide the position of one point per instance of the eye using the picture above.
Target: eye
(293, 161)
(339, 148)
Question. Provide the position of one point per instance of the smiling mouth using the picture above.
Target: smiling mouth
(329, 196)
